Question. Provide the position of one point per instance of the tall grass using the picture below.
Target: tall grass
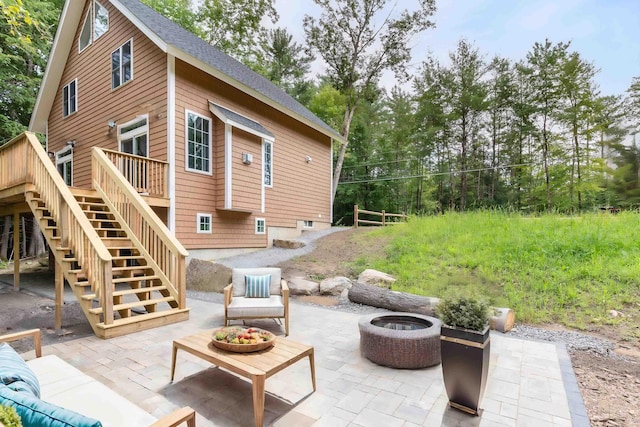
(551, 268)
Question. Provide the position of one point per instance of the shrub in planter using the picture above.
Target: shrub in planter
(465, 350)
(9, 417)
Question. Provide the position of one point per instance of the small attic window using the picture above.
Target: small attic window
(96, 23)
(100, 20)
(85, 35)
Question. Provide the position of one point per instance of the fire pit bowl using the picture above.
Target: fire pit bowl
(400, 340)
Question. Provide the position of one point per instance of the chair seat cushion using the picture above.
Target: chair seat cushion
(256, 307)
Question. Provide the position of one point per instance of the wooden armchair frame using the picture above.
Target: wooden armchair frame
(174, 419)
(228, 297)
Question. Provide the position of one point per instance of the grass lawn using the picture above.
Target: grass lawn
(552, 268)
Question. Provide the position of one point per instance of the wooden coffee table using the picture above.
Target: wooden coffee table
(257, 366)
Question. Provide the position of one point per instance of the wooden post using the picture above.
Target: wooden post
(59, 280)
(355, 216)
(16, 251)
(383, 219)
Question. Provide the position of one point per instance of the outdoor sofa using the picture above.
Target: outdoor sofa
(48, 391)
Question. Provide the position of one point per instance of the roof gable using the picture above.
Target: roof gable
(176, 41)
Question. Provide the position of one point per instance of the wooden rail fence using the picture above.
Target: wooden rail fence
(383, 215)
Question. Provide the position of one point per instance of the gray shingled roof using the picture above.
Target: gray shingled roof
(176, 36)
(243, 120)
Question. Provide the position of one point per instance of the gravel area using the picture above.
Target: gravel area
(575, 341)
(273, 256)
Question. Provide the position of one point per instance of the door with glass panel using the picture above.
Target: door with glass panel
(133, 138)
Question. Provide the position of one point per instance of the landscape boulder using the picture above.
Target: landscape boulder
(376, 278)
(334, 285)
(301, 286)
(207, 276)
(287, 244)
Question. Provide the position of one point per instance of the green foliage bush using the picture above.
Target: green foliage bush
(9, 417)
(463, 312)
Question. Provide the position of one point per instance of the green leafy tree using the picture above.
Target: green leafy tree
(577, 87)
(544, 62)
(235, 26)
(287, 64)
(179, 11)
(26, 32)
(359, 40)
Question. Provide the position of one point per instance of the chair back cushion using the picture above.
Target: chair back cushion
(14, 372)
(257, 286)
(238, 280)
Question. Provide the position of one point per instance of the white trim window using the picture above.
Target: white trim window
(261, 226)
(122, 65)
(204, 223)
(96, 23)
(198, 143)
(70, 98)
(307, 224)
(267, 162)
(64, 164)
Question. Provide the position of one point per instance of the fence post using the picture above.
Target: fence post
(383, 219)
(355, 216)
(404, 217)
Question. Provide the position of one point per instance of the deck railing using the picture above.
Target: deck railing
(147, 176)
(24, 161)
(144, 227)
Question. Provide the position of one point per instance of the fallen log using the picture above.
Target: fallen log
(502, 320)
(392, 300)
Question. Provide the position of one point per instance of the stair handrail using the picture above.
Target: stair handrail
(147, 229)
(77, 233)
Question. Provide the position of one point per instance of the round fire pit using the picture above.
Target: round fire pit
(400, 340)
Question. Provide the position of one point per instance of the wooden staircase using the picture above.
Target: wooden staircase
(139, 297)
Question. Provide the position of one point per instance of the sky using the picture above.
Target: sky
(604, 32)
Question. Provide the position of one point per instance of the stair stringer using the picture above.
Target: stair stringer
(59, 255)
(151, 263)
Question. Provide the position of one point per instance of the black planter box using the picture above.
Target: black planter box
(465, 364)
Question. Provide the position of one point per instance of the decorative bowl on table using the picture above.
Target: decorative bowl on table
(242, 340)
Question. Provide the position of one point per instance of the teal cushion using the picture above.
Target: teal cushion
(37, 413)
(257, 286)
(15, 373)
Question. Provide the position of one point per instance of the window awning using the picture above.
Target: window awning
(241, 122)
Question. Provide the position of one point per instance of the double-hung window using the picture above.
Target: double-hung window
(204, 223)
(267, 162)
(198, 135)
(122, 65)
(96, 23)
(70, 98)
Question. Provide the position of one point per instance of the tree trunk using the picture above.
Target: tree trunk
(392, 300)
(4, 241)
(348, 117)
(36, 244)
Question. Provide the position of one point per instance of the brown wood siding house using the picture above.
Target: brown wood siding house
(179, 100)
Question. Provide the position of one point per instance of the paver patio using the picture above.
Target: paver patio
(530, 383)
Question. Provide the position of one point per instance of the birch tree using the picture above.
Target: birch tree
(358, 41)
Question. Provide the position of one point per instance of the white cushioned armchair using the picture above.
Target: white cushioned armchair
(253, 295)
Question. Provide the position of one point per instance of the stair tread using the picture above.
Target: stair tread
(128, 292)
(128, 305)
